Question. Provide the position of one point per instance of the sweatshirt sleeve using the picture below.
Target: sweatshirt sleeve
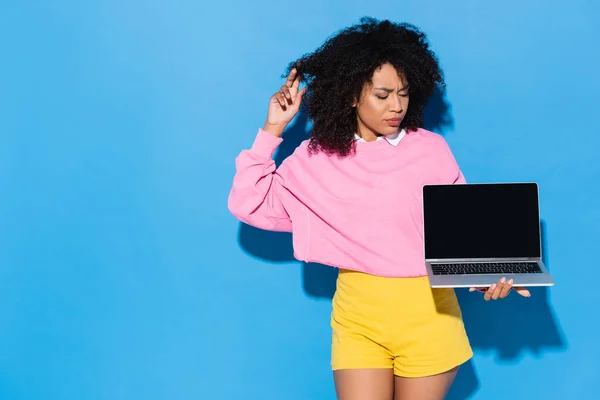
(454, 174)
(255, 197)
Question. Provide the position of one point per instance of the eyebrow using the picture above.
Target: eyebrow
(391, 90)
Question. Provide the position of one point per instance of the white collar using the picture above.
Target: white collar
(392, 139)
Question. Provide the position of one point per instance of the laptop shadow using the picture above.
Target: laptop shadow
(509, 328)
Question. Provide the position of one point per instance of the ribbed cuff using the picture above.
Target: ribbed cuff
(265, 144)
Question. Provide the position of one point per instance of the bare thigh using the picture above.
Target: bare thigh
(364, 384)
(433, 387)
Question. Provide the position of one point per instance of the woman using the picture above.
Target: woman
(351, 196)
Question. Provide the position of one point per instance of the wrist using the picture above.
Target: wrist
(274, 129)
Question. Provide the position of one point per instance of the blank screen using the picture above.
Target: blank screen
(481, 221)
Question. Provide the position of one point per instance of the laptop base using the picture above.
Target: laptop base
(542, 278)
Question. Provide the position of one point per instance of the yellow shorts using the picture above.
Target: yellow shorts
(398, 323)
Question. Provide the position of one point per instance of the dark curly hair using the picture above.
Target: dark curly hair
(336, 73)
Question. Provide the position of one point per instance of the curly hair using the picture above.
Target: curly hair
(336, 73)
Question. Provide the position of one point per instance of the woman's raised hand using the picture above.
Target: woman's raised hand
(284, 105)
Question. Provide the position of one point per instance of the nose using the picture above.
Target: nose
(395, 104)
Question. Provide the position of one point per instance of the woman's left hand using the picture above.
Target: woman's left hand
(500, 290)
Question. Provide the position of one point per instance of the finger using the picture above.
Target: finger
(522, 291)
(286, 92)
(489, 292)
(300, 94)
(295, 85)
(280, 99)
(506, 289)
(498, 289)
(291, 77)
(478, 289)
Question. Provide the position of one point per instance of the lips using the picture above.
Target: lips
(394, 121)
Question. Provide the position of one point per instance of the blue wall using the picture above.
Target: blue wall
(122, 274)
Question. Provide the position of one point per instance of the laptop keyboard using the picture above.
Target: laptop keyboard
(486, 268)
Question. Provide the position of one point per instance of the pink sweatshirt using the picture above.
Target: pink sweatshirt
(362, 212)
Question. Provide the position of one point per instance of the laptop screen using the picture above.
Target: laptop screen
(481, 221)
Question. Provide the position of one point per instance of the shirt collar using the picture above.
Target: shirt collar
(392, 139)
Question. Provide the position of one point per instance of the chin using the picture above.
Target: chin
(390, 130)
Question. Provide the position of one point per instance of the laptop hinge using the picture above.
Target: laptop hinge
(472, 260)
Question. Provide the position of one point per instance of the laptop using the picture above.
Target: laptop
(475, 234)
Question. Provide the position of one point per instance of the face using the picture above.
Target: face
(383, 104)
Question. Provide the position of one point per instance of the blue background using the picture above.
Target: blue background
(122, 274)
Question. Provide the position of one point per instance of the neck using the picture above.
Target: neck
(366, 134)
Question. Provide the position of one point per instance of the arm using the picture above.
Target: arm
(255, 197)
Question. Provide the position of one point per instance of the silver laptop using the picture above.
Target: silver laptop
(475, 234)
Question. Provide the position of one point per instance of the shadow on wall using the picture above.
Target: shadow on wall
(532, 326)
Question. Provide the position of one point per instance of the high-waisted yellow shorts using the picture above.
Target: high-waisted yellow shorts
(398, 323)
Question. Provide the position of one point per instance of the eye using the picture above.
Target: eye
(382, 97)
(403, 94)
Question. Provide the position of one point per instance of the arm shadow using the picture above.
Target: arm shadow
(318, 280)
(268, 245)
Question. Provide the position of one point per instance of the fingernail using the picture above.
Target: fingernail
(511, 282)
(503, 280)
(472, 290)
(493, 286)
